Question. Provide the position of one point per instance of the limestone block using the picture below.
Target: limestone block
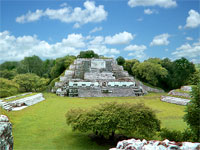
(6, 138)
(133, 144)
(174, 100)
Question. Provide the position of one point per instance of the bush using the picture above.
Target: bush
(172, 135)
(8, 88)
(178, 136)
(108, 118)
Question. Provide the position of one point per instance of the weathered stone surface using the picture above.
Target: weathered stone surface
(174, 100)
(6, 138)
(134, 144)
(186, 88)
(173, 92)
(20, 103)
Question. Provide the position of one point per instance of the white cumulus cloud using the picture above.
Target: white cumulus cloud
(189, 51)
(160, 40)
(66, 14)
(16, 48)
(120, 38)
(160, 3)
(193, 20)
(137, 51)
(135, 48)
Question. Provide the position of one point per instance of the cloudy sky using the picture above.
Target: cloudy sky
(130, 28)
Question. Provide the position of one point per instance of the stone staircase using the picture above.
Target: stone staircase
(137, 91)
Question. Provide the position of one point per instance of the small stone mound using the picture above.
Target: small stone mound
(134, 144)
(6, 138)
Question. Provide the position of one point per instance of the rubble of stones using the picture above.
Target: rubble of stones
(97, 78)
(6, 138)
(21, 103)
(133, 144)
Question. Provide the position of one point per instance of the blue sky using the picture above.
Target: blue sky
(130, 28)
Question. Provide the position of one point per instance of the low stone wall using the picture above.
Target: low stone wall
(134, 144)
(174, 100)
(6, 138)
(173, 92)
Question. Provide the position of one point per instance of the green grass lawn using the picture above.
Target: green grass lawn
(43, 126)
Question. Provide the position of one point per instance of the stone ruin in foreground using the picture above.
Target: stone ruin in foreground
(97, 78)
(133, 144)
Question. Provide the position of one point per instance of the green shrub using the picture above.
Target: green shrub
(108, 118)
(172, 135)
(178, 136)
(8, 87)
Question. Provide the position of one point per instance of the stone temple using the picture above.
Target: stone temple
(97, 78)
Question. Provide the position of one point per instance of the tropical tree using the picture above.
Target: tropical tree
(129, 64)
(31, 64)
(88, 54)
(30, 82)
(149, 72)
(192, 116)
(120, 60)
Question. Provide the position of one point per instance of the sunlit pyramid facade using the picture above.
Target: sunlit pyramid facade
(97, 78)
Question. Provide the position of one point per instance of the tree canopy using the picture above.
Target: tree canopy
(88, 54)
(120, 60)
(30, 82)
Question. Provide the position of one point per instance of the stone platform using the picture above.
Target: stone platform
(22, 103)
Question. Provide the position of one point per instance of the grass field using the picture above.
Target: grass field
(43, 126)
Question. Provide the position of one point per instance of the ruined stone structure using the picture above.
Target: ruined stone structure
(6, 138)
(97, 78)
(134, 144)
(21, 103)
(175, 100)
